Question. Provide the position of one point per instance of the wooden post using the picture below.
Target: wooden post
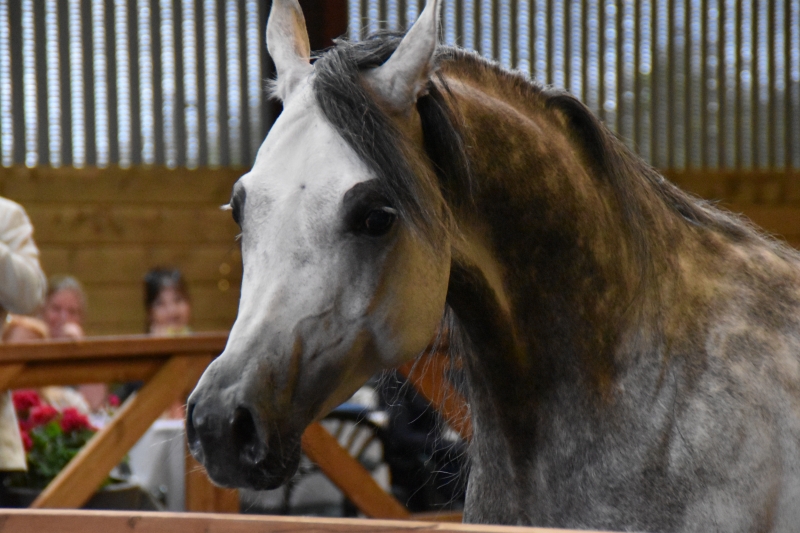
(83, 475)
(8, 373)
(430, 379)
(325, 21)
(349, 475)
(204, 496)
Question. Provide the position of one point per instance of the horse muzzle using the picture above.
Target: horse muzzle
(236, 448)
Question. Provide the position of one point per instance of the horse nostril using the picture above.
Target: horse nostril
(252, 449)
(191, 432)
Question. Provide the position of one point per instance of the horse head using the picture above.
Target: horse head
(337, 282)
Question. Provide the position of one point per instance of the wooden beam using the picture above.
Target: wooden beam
(715, 174)
(326, 20)
(429, 377)
(140, 184)
(199, 344)
(61, 521)
(83, 475)
(439, 516)
(349, 475)
(783, 220)
(121, 370)
(9, 373)
(202, 495)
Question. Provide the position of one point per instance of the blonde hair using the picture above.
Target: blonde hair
(34, 325)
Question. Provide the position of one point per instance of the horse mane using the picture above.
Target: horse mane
(355, 115)
(353, 112)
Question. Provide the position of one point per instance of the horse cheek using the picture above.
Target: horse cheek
(414, 284)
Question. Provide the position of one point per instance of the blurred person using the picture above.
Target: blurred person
(167, 302)
(21, 329)
(12, 448)
(64, 308)
(22, 282)
(64, 311)
(169, 311)
(22, 287)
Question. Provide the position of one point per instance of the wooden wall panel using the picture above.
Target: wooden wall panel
(771, 200)
(107, 227)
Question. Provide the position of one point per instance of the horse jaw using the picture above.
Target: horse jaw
(404, 76)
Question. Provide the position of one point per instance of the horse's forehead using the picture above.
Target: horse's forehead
(303, 152)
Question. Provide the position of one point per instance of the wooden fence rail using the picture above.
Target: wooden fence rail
(170, 368)
(51, 521)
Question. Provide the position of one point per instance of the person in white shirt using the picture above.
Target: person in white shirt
(22, 282)
(22, 289)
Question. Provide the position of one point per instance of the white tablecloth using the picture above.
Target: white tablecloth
(158, 463)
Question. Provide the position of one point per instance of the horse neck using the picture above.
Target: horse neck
(546, 280)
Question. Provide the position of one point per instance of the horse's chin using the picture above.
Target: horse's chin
(270, 473)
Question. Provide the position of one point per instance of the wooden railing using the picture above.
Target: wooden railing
(27, 521)
(170, 368)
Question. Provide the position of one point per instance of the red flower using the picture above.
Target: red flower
(113, 400)
(24, 425)
(24, 399)
(26, 441)
(41, 415)
(72, 420)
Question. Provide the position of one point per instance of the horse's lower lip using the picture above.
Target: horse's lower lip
(254, 477)
(268, 474)
(264, 480)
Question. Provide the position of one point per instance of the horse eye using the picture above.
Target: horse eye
(379, 221)
(236, 214)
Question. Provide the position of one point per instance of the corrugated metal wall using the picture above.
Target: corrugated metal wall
(128, 82)
(687, 83)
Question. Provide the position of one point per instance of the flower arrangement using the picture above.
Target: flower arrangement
(51, 438)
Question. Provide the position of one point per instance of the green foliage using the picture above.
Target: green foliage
(52, 450)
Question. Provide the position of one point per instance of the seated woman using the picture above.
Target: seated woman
(17, 328)
(64, 310)
(169, 311)
(167, 303)
(20, 329)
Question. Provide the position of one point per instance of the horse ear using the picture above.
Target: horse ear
(403, 77)
(287, 43)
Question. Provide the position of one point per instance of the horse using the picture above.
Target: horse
(632, 353)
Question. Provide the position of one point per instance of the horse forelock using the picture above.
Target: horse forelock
(353, 112)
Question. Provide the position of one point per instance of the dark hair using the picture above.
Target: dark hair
(158, 279)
